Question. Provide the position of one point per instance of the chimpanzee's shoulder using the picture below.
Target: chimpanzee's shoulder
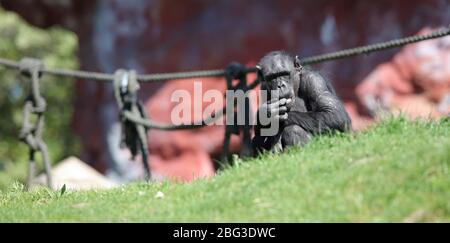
(311, 74)
(312, 80)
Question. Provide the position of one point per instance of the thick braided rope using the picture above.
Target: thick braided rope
(375, 47)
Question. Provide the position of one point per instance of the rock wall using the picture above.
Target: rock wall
(415, 82)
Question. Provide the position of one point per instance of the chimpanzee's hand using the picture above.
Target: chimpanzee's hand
(275, 110)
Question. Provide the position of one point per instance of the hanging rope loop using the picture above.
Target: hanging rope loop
(30, 133)
(235, 110)
(34, 103)
(125, 89)
(134, 135)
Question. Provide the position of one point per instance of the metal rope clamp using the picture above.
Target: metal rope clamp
(30, 133)
(133, 136)
(237, 71)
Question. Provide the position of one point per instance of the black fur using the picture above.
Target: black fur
(316, 108)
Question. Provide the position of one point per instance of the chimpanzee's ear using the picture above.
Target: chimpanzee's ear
(297, 62)
(259, 73)
(260, 76)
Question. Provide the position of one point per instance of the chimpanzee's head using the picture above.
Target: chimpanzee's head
(280, 71)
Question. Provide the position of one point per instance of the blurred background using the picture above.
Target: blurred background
(170, 36)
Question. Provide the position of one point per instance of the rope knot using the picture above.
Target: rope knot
(30, 66)
(236, 70)
(30, 133)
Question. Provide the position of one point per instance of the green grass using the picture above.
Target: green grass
(396, 171)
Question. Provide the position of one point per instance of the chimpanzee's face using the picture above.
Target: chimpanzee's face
(277, 72)
(282, 83)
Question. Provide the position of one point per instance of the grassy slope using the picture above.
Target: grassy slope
(393, 172)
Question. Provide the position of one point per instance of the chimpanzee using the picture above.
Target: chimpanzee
(306, 104)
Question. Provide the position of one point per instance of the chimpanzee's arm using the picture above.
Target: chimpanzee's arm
(260, 142)
(264, 143)
(325, 111)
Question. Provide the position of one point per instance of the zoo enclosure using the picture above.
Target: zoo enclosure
(135, 122)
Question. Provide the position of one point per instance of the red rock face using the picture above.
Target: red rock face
(167, 36)
(416, 81)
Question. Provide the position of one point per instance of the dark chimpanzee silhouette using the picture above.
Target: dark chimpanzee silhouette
(306, 104)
